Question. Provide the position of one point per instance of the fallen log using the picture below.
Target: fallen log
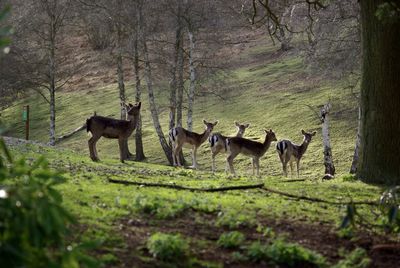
(180, 187)
(70, 134)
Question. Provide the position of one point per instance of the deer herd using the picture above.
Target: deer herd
(179, 137)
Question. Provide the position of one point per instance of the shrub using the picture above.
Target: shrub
(231, 240)
(33, 223)
(257, 252)
(168, 247)
(283, 253)
(233, 220)
(358, 258)
(293, 255)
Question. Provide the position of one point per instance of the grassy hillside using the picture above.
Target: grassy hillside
(123, 218)
(265, 88)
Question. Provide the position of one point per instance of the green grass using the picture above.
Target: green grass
(274, 94)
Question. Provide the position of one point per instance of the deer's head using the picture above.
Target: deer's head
(241, 128)
(308, 136)
(270, 135)
(132, 110)
(210, 126)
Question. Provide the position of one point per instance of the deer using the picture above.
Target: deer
(100, 126)
(254, 149)
(218, 142)
(180, 137)
(289, 152)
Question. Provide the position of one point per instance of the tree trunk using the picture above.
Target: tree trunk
(120, 72)
(328, 160)
(138, 135)
(180, 84)
(173, 83)
(192, 82)
(353, 168)
(149, 82)
(380, 95)
(52, 81)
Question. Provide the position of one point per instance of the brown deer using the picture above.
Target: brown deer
(254, 149)
(218, 142)
(289, 152)
(111, 128)
(180, 137)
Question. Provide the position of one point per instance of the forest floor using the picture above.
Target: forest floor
(263, 87)
(124, 217)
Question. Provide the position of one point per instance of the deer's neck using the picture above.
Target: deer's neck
(301, 149)
(267, 143)
(204, 135)
(239, 134)
(132, 122)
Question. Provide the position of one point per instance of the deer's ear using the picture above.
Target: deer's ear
(266, 131)
(303, 132)
(205, 122)
(139, 105)
(215, 123)
(247, 125)
(313, 134)
(237, 124)
(270, 130)
(130, 105)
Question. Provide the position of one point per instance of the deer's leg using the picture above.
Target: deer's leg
(92, 148)
(298, 167)
(229, 161)
(194, 154)
(178, 148)
(129, 155)
(253, 164)
(284, 164)
(213, 154)
(122, 149)
(291, 166)
(257, 163)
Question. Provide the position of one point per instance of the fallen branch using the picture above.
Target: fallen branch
(179, 187)
(318, 200)
(70, 134)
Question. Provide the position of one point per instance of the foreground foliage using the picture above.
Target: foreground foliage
(33, 222)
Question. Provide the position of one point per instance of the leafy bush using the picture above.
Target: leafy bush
(283, 253)
(232, 219)
(169, 248)
(358, 258)
(33, 223)
(160, 208)
(231, 240)
(293, 255)
(257, 252)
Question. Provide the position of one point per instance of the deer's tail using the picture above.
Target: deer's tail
(281, 147)
(88, 124)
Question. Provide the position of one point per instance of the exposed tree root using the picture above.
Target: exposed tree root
(179, 187)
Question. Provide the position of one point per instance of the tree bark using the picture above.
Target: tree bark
(52, 79)
(192, 82)
(354, 163)
(180, 84)
(380, 95)
(328, 159)
(120, 73)
(149, 82)
(138, 135)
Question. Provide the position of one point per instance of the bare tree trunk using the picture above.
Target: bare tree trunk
(52, 83)
(328, 160)
(120, 72)
(354, 163)
(192, 82)
(149, 82)
(173, 83)
(138, 135)
(180, 82)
